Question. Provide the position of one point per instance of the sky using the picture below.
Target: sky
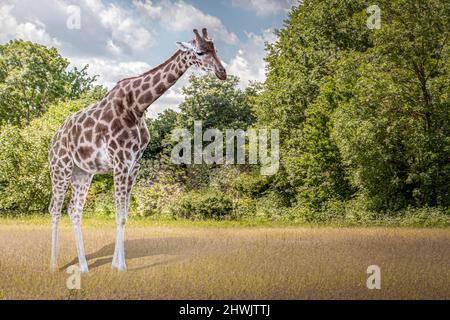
(123, 38)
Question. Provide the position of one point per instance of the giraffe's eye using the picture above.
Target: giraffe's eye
(200, 53)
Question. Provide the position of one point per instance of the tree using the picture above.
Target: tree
(33, 77)
(219, 104)
(160, 129)
(393, 121)
(361, 112)
(24, 176)
(296, 99)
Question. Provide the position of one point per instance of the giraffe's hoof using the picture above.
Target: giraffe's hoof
(119, 267)
(84, 269)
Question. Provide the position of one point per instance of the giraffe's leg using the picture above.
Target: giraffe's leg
(59, 187)
(131, 181)
(81, 181)
(123, 182)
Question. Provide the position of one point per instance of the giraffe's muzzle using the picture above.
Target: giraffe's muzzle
(221, 73)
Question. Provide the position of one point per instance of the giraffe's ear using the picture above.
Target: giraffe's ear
(185, 46)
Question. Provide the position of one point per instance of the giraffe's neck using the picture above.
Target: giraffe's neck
(140, 92)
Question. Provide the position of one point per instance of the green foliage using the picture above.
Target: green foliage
(361, 112)
(219, 104)
(364, 120)
(32, 77)
(100, 204)
(24, 177)
(316, 172)
(155, 200)
(252, 185)
(296, 101)
(393, 121)
(160, 130)
(207, 204)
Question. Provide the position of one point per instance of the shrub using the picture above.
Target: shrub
(252, 185)
(24, 176)
(268, 207)
(156, 200)
(244, 208)
(208, 204)
(101, 204)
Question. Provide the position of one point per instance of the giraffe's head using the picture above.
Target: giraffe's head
(205, 54)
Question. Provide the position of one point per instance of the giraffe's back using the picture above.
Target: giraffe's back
(99, 135)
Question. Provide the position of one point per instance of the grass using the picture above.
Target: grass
(143, 222)
(225, 260)
(419, 218)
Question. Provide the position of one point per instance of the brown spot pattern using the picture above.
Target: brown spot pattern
(137, 83)
(171, 78)
(156, 79)
(85, 152)
(107, 116)
(160, 88)
(116, 126)
(130, 98)
(146, 98)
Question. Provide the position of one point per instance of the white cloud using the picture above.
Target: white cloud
(116, 39)
(94, 5)
(30, 31)
(110, 71)
(249, 64)
(266, 7)
(105, 28)
(176, 16)
(123, 26)
(114, 49)
(108, 39)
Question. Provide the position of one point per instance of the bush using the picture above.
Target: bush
(156, 200)
(252, 185)
(268, 207)
(200, 205)
(356, 213)
(101, 204)
(24, 177)
(244, 209)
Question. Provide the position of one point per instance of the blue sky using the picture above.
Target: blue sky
(122, 38)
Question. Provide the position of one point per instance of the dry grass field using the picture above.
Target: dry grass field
(222, 262)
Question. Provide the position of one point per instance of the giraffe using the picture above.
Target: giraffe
(110, 136)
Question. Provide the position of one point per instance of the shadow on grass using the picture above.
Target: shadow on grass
(141, 248)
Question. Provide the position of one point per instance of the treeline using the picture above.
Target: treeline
(363, 114)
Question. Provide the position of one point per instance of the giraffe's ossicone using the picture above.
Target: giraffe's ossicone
(110, 136)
